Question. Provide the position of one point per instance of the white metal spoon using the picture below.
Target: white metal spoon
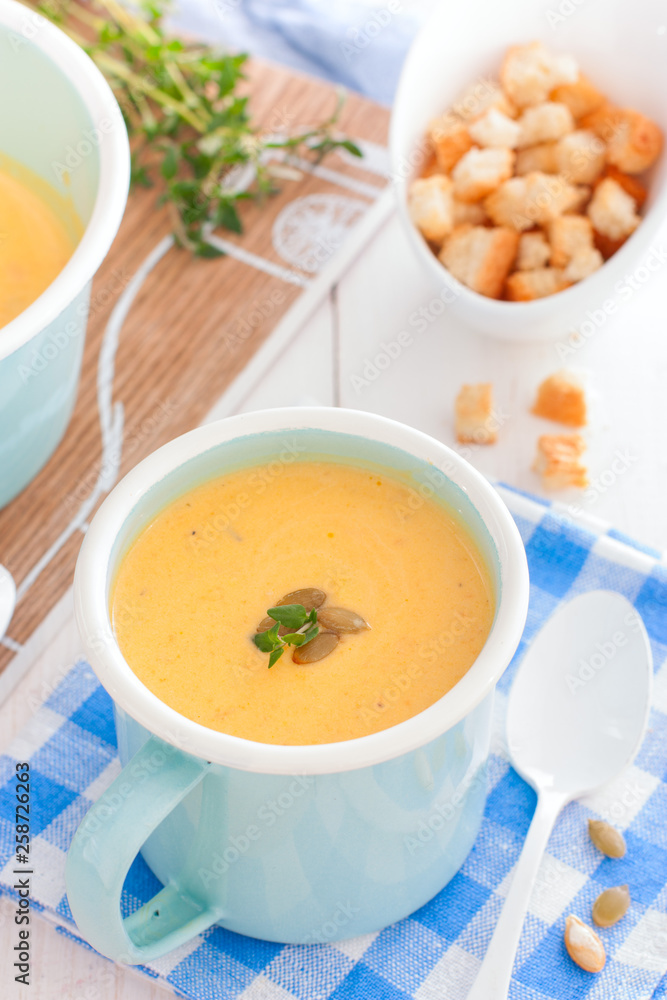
(576, 716)
(7, 599)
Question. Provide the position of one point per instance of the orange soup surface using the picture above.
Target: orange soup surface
(38, 235)
(195, 584)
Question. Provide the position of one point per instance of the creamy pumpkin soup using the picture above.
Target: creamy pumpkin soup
(398, 586)
(37, 237)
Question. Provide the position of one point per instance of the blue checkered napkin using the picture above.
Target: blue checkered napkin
(434, 954)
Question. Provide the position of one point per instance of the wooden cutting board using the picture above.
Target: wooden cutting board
(192, 327)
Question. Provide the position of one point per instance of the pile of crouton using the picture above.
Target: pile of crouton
(532, 182)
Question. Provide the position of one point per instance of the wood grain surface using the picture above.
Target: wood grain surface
(191, 329)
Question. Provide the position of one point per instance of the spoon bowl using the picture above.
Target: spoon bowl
(579, 704)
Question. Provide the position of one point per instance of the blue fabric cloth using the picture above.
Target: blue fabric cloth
(356, 44)
(433, 954)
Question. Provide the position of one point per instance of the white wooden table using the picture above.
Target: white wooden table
(335, 348)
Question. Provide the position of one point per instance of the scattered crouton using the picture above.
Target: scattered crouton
(495, 130)
(534, 251)
(612, 210)
(582, 264)
(430, 207)
(450, 139)
(580, 156)
(533, 200)
(526, 286)
(479, 97)
(480, 171)
(567, 234)
(542, 158)
(468, 211)
(581, 97)
(630, 184)
(557, 461)
(561, 397)
(474, 415)
(544, 123)
(481, 257)
(529, 73)
(636, 142)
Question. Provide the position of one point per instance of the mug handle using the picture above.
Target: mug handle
(107, 842)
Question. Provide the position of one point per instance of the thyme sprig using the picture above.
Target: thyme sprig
(186, 119)
(292, 616)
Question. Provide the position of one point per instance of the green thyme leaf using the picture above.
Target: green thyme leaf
(289, 615)
(275, 655)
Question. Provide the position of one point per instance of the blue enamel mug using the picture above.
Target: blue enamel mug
(291, 844)
(62, 124)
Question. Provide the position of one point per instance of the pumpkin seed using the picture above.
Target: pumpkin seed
(583, 945)
(606, 838)
(341, 620)
(267, 623)
(611, 905)
(307, 597)
(319, 647)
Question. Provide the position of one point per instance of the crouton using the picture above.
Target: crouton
(561, 397)
(474, 415)
(494, 129)
(430, 207)
(526, 286)
(612, 210)
(580, 156)
(542, 158)
(544, 123)
(450, 139)
(524, 202)
(480, 171)
(630, 184)
(606, 246)
(557, 461)
(468, 211)
(567, 234)
(581, 97)
(534, 251)
(583, 263)
(479, 97)
(529, 73)
(480, 257)
(636, 142)
(580, 196)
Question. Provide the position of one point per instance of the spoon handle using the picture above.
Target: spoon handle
(493, 979)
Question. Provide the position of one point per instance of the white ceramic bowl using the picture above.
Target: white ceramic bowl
(621, 46)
